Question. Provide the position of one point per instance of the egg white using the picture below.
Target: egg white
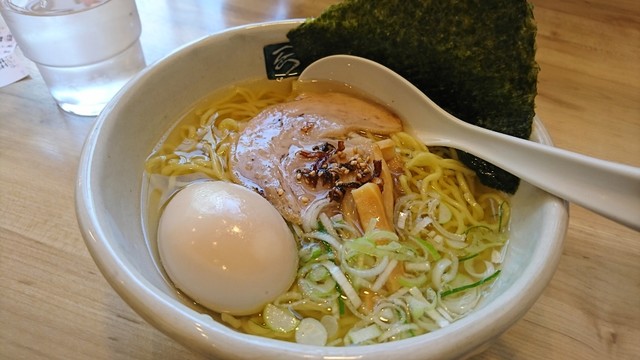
(226, 247)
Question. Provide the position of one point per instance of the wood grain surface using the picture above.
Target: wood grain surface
(54, 303)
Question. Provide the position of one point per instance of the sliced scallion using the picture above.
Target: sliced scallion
(311, 332)
(430, 248)
(365, 334)
(344, 283)
(341, 305)
(279, 319)
(470, 286)
(467, 257)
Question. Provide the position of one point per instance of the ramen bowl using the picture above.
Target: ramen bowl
(110, 212)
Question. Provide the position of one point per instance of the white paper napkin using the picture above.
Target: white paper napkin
(12, 67)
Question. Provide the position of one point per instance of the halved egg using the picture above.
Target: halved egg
(226, 247)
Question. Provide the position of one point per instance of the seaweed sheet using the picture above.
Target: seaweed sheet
(474, 58)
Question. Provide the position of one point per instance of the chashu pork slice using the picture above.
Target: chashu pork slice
(269, 151)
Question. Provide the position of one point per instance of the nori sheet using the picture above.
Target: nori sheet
(474, 58)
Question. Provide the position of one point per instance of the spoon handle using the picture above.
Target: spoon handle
(606, 188)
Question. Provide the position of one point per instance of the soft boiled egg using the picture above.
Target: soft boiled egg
(226, 247)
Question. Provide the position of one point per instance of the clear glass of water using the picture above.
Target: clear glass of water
(85, 50)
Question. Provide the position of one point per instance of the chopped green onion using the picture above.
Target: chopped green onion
(411, 281)
(340, 305)
(421, 225)
(365, 334)
(316, 253)
(467, 257)
(476, 227)
(397, 330)
(402, 219)
(378, 234)
(470, 286)
(313, 251)
(330, 323)
(344, 283)
(375, 270)
(317, 291)
(384, 276)
(417, 307)
(321, 228)
(328, 227)
(438, 318)
(311, 332)
(278, 319)
(430, 248)
(417, 267)
(444, 213)
(318, 274)
(330, 241)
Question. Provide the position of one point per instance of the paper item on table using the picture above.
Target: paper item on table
(12, 67)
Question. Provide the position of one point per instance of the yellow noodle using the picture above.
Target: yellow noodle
(455, 184)
(239, 106)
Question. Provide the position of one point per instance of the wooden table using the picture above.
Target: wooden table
(54, 303)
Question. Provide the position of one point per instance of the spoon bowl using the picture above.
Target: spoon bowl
(609, 189)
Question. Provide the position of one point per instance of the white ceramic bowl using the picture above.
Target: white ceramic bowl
(108, 200)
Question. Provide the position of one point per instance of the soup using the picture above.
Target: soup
(394, 239)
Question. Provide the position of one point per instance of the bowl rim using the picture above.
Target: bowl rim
(206, 335)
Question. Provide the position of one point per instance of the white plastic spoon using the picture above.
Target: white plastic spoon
(606, 188)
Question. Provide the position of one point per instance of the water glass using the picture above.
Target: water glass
(85, 50)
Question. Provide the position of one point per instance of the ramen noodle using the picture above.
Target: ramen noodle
(414, 268)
